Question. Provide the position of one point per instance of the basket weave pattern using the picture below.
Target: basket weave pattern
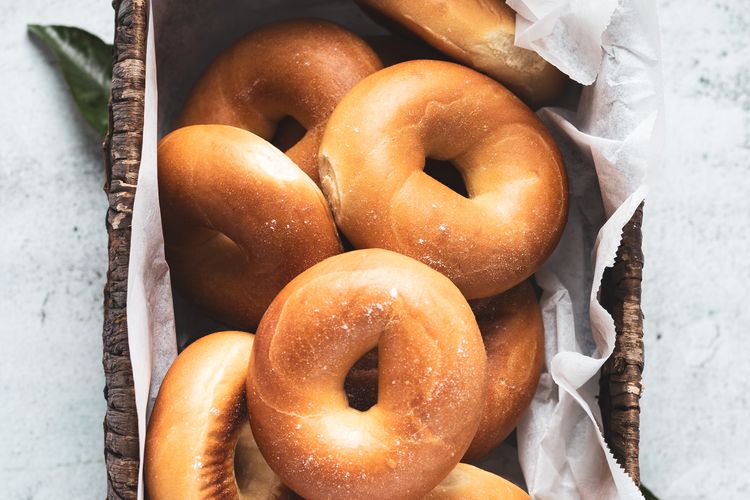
(122, 154)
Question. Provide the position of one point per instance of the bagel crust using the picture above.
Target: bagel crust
(513, 335)
(197, 421)
(432, 376)
(466, 482)
(480, 34)
(299, 68)
(373, 153)
(240, 220)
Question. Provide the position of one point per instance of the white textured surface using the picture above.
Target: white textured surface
(52, 266)
(697, 276)
(697, 231)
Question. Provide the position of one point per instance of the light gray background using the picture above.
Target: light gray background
(697, 234)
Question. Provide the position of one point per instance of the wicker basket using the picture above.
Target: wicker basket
(620, 384)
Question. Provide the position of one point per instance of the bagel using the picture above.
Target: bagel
(432, 375)
(198, 422)
(299, 68)
(240, 220)
(480, 34)
(466, 482)
(513, 335)
(373, 153)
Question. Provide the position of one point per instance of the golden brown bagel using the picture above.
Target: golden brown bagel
(300, 68)
(432, 378)
(240, 220)
(374, 150)
(481, 34)
(466, 482)
(513, 335)
(197, 420)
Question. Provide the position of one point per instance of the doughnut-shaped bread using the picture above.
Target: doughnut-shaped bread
(432, 378)
(198, 418)
(513, 334)
(240, 220)
(481, 34)
(374, 150)
(299, 68)
(466, 482)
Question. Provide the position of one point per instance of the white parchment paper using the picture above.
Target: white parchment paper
(615, 129)
(609, 142)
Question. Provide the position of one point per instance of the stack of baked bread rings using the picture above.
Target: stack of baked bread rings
(397, 332)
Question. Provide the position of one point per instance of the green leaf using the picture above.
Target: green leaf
(647, 494)
(86, 63)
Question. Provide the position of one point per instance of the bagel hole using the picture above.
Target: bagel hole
(361, 383)
(446, 174)
(288, 133)
(345, 243)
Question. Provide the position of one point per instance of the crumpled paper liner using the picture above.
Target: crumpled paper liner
(608, 144)
(616, 128)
